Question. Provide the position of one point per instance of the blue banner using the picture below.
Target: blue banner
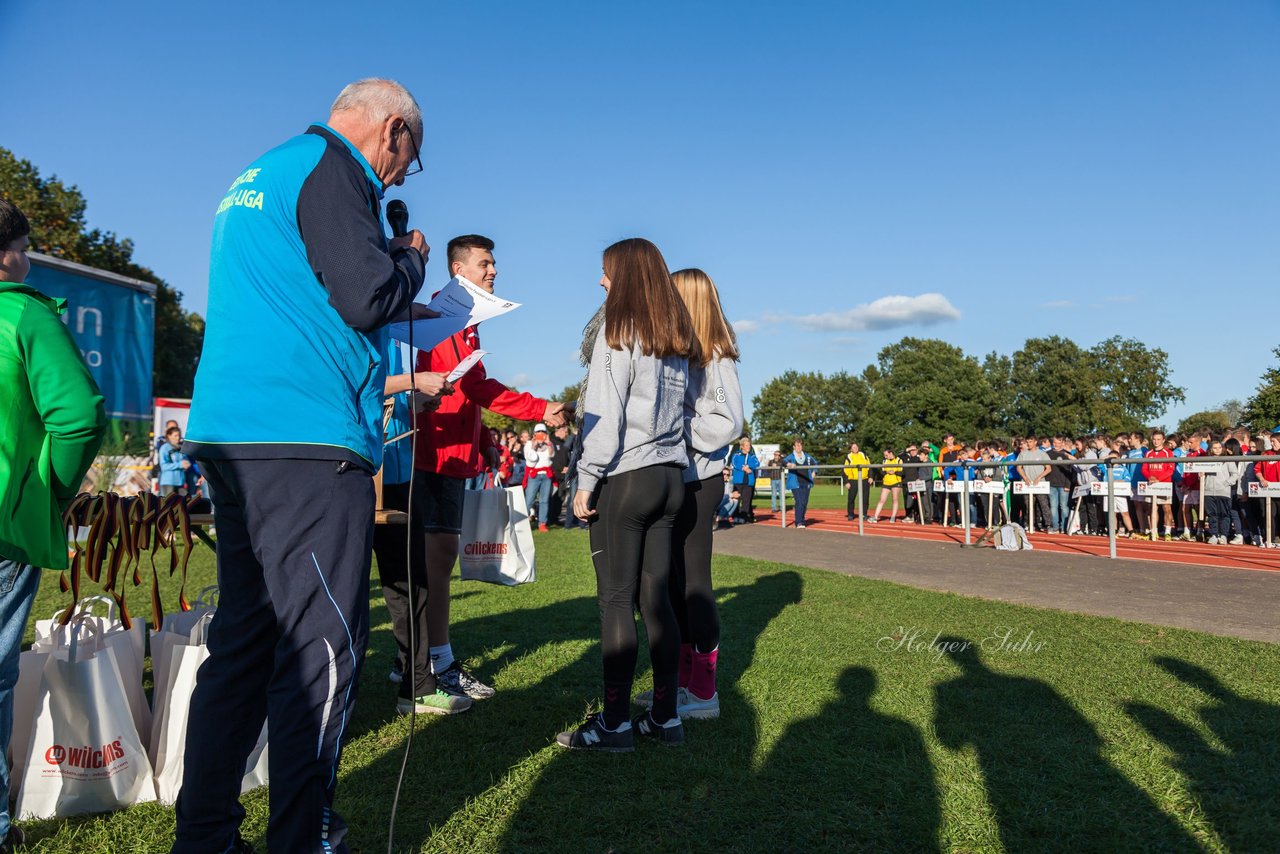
(112, 319)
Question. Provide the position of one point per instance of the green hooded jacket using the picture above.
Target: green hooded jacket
(51, 425)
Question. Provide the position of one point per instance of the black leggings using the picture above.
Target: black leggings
(691, 594)
(631, 549)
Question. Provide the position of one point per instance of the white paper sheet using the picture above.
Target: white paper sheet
(466, 365)
(460, 304)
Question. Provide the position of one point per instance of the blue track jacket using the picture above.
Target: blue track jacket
(301, 286)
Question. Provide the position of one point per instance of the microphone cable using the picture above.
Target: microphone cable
(411, 670)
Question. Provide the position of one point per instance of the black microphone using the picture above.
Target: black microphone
(398, 217)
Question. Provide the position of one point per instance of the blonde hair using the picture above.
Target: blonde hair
(714, 334)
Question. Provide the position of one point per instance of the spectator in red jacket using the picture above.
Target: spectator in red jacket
(453, 446)
(1267, 472)
(1160, 473)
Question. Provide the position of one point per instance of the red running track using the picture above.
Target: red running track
(1178, 551)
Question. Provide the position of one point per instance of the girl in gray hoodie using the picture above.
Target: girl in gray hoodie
(630, 487)
(713, 420)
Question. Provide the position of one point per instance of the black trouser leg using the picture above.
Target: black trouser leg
(286, 642)
(631, 550)
(691, 592)
(395, 562)
(745, 509)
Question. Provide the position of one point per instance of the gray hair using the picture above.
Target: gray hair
(379, 98)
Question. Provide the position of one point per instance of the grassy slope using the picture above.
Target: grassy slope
(843, 729)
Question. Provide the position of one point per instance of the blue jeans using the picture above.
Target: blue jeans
(539, 489)
(1059, 507)
(801, 497)
(775, 495)
(18, 585)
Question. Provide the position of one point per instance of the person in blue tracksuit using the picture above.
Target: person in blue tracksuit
(286, 421)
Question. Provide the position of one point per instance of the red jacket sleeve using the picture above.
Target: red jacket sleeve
(496, 397)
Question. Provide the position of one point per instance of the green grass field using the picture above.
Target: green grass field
(845, 727)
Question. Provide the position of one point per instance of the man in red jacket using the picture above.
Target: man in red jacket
(453, 446)
(1160, 473)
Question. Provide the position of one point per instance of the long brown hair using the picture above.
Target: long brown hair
(643, 308)
(715, 337)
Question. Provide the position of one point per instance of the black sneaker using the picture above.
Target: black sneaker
(458, 682)
(592, 735)
(670, 734)
(396, 676)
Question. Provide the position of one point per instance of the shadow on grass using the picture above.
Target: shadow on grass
(455, 759)
(848, 778)
(1046, 779)
(1236, 784)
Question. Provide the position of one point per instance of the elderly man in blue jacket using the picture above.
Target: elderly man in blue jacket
(744, 464)
(286, 421)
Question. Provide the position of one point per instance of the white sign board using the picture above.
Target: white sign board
(1021, 487)
(1257, 490)
(992, 487)
(1120, 488)
(915, 486)
(955, 486)
(1196, 468)
(1155, 489)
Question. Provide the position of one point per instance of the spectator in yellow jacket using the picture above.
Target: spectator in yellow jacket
(858, 479)
(891, 485)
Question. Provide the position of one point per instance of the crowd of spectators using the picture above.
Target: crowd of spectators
(1212, 504)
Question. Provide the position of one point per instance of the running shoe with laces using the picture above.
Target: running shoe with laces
(689, 705)
(396, 676)
(435, 703)
(458, 682)
(592, 735)
(669, 734)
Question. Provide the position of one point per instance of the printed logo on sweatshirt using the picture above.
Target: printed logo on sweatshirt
(720, 396)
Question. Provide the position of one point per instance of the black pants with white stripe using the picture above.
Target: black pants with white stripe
(286, 644)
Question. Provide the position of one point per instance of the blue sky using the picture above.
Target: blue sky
(849, 173)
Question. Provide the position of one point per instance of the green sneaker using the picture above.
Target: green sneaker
(438, 703)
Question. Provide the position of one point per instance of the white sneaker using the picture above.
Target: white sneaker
(690, 706)
(1237, 540)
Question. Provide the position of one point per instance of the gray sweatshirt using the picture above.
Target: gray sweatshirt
(633, 413)
(713, 417)
(1221, 479)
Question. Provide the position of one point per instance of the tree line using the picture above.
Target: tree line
(58, 228)
(925, 388)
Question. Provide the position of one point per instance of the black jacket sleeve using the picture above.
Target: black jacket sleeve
(346, 248)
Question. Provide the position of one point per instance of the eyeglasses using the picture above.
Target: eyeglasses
(417, 154)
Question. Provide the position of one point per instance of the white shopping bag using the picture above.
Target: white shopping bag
(128, 645)
(175, 628)
(25, 694)
(176, 660)
(497, 541)
(255, 774)
(84, 755)
(169, 736)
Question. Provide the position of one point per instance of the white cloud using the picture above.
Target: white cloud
(520, 380)
(885, 313)
(745, 327)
